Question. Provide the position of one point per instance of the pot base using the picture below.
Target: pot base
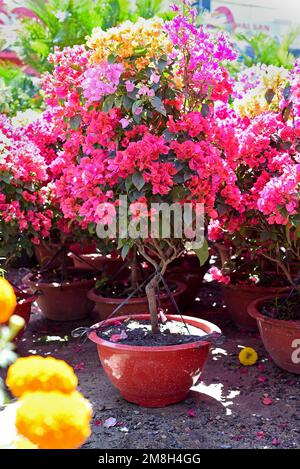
(159, 402)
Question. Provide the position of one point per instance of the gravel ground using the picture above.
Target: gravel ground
(225, 410)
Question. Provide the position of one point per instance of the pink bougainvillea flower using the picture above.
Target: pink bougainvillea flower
(79, 366)
(138, 110)
(192, 413)
(262, 379)
(124, 123)
(118, 337)
(162, 317)
(275, 442)
(216, 274)
(267, 400)
(129, 86)
(260, 435)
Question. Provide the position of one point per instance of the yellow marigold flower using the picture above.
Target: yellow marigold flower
(8, 300)
(36, 373)
(54, 420)
(23, 443)
(248, 356)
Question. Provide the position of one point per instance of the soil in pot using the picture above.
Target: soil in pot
(156, 373)
(238, 296)
(132, 332)
(281, 337)
(109, 296)
(63, 300)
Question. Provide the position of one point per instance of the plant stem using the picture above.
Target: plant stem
(134, 274)
(151, 291)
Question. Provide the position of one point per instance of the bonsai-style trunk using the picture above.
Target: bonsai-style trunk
(287, 273)
(151, 292)
(134, 273)
(160, 258)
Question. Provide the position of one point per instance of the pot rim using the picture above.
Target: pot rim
(38, 284)
(26, 298)
(163, 348)
(234, 286)
(93, 255)
(109, 300)
(256, 314)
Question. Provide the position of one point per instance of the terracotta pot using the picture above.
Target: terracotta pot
(23, 308)
(62, 302)
(191, 273)
(281, 338)
(238, 297)
(154, 376)
(105, 306)
(44, 252)
(110, 265)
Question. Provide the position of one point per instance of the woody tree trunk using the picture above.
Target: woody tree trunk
(160, 258)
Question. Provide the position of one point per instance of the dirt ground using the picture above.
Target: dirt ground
(225, 410)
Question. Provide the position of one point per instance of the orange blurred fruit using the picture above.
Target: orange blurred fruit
(8, 300)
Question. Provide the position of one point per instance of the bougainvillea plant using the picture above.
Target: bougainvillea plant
(267, 221)
(139, 117)
(25, 208)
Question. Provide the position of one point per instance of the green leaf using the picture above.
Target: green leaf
(287, 92)
(286, 112)
(108, 103)
(135, 105)
(75, 122)
(138, 180)
(162, 63)
(202, 253)
(158, 105)
(127, 102)
(269, 95)
(125, 250)
(205, 110)
(128, 183)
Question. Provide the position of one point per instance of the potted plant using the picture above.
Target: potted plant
(241, 233)
(139, 106)
(268, 223)
(245, 276)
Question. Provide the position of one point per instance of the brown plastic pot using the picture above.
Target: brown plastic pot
(45, 252)
(105, 306)
(154, 376)
(189, 271)
(62, 302)
(281, 338)
(108, 264)
(238, 297)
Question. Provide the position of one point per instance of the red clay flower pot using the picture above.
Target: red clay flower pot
(105, 306)
(188, 270)
(45, 252)
(238, 297)
(62, 302)
(109, 264)
(278, 336)
(23, 308)
(154, 376)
